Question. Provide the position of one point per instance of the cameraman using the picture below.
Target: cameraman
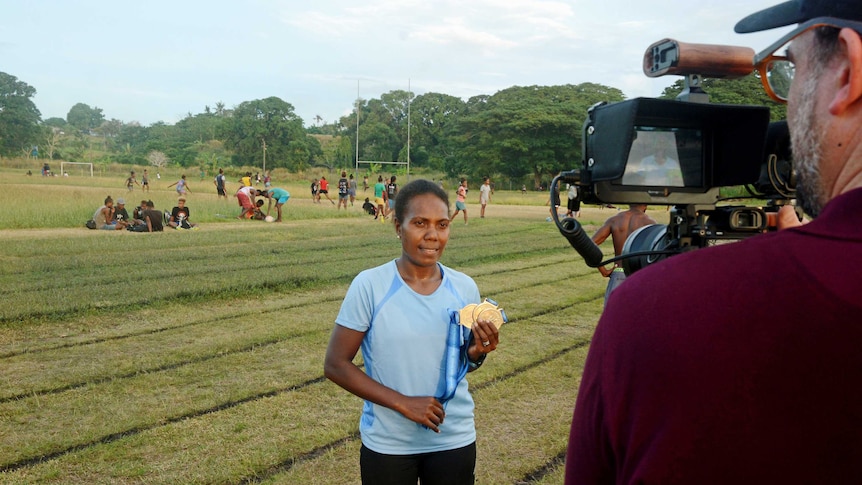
(741, 363)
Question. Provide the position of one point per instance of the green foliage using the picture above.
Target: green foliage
(525, 134)
(748, 90)
(85, 118)
(272, 123)
(19, 118)
(434, 125)
(55, 122)
(533, 130)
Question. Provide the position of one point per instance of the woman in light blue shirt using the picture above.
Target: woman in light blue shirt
(400, 314)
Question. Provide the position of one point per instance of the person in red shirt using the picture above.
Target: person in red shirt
(324, 190)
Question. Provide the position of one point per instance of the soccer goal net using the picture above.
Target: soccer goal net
(83, 165)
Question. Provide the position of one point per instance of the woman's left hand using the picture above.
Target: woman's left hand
(486, 336)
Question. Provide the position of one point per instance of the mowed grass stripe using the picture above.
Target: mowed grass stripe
(158, 443)
(522, 342)
(513, 417)
(150, 321)
(62, 271)
(185, 281)
(527, 267)
(68, 368)
(117, 409)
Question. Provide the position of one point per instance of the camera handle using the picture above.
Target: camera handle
(572, 230)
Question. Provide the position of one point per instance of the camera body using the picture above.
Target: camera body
(680, 153)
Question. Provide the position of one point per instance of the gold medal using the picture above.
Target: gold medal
(481, 307)
(466, 315)
(487, 310)
(494, 316)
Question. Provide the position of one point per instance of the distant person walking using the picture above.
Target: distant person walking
(461, 201)
(315, 197)
(365, 183)
(343, 190)
(573, 206)
(131, 181)
(351, 189)
(484, 195)
(220, 181)
(145, 181)
(391, 192)
(182, 186)
(380, 198)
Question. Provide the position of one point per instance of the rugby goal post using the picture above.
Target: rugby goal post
(63, 167)
(380, 162)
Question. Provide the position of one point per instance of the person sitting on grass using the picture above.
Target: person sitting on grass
(150, 220)
(257, 213)
(104, 217)
(153, 218)
(180, 216)
(138, 213)
(120, 213)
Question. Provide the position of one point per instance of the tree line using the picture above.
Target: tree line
(520, 133)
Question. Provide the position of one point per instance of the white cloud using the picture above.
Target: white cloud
(312, 53)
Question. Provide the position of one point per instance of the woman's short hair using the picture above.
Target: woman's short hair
(414, 188)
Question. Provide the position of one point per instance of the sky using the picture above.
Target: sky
(158, 60)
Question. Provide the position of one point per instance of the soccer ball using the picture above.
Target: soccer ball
(269, 219)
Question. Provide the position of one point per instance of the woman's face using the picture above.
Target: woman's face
(424, 231)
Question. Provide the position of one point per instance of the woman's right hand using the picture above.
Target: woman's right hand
(424, 410)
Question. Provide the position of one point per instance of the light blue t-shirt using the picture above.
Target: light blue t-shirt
(280, 195)
(405, 349)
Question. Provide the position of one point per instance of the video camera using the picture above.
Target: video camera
(680, 153)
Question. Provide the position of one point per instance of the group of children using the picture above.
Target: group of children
(145, 217)
(111, 218)
(252, 208)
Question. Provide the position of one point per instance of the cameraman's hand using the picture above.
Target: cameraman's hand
(604, 271)
(787, 218)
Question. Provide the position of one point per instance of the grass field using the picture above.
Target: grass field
(196, 356)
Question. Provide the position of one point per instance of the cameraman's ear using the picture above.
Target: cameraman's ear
(850, 75)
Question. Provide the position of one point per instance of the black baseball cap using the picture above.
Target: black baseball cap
(797, 12)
